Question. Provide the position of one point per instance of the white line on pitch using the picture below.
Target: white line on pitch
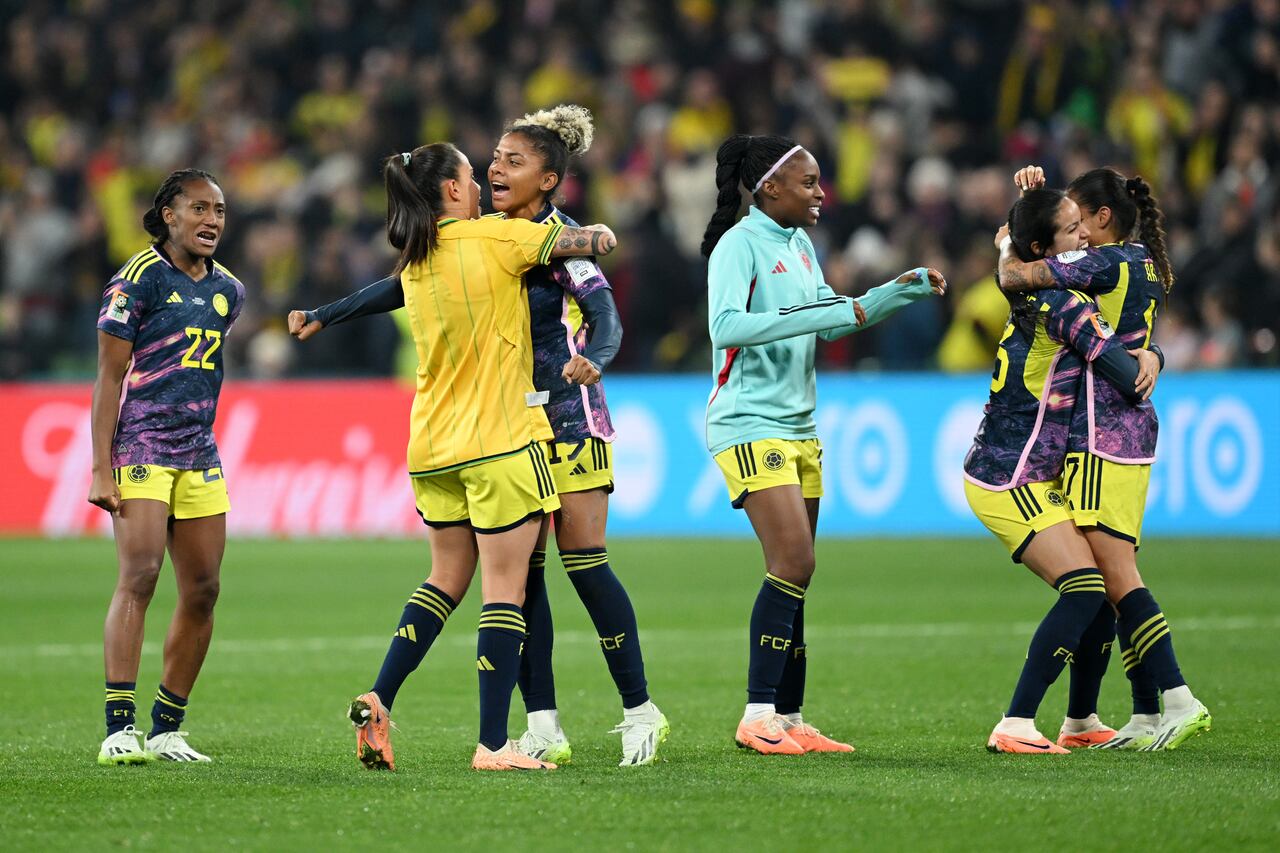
(907, 630)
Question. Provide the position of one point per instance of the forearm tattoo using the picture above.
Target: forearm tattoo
(595, 242)
(1016, 275)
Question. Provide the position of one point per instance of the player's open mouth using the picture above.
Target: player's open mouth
(814, 210)
(499, 190)
(207, 238)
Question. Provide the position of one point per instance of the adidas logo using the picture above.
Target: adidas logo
(578, 469)
(483, 664)
(408, 633)
(779, 268)
(174, 297)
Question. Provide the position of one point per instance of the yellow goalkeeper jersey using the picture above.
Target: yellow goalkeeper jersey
(469, 314)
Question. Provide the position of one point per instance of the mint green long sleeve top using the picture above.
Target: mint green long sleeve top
(768, 303)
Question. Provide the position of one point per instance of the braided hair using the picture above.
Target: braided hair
(153, 219)
(741, 162)
(1131, 203)
(414, 200)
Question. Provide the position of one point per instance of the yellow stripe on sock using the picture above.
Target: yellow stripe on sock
(428, 595)
(1140, 638)
(777, 581)
(431, 606)
(1133, 638)
(515, 624)
(1151, 641)
(160, 698)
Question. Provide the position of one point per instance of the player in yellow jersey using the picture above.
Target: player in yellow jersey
(477, 429)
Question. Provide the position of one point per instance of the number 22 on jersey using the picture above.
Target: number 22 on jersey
(199, 336)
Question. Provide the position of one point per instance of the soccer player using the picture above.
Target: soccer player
(576, 333)
(1113, 442)
(1013, 471)
(767, 304)
(164, 318)
(477, 429)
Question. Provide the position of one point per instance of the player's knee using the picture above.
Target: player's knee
(138, 579)
(200, 597)
(796, 567)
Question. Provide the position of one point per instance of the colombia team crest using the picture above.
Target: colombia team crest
(804, 259)
(139, 473)
(773, 459)
(220, 304)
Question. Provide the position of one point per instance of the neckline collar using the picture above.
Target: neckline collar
(210, 268)
(763, 221)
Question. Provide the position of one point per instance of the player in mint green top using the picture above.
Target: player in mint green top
(767, 305)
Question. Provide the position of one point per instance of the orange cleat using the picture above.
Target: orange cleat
(767, 737)
(812, 740)
(373, 732)
(1084, 740)
(1009, 743)
(507, 758)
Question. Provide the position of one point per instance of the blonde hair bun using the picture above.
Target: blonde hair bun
(570, 122)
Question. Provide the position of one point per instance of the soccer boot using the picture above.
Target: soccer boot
(373, 732)
(1027, 742)
(508, 758)
(173, 746)
(643, 730)
(549, 748)
(1084, 734)
(123, 748)
(1178, 726)
(1133, 735)
(812, 740)
(767, 736)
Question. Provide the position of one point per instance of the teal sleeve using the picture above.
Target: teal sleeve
(884, 301)
(730, 281)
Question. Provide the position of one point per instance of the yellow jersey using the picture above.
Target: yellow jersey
(469, 315)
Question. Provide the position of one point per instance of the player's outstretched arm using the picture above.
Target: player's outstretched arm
(113, 363)
(886, 299)
(381, 297)
(583, 242)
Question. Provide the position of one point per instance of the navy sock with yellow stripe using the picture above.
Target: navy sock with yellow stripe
(167, 712)
(1080, 593)
(120, 705)
(498, 642)
(1089, 664)
(421, 622)
(1146, 695)
(790, 694)
(772, 622)
(1146, 628)
(614, 619)
(537, 681)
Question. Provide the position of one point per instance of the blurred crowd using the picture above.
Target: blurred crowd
(918, 112)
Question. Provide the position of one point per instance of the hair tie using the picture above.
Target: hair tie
(406, 157)
(774, 168)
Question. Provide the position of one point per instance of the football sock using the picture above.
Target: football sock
(120, 705)
(758, 710)
(1021, 727)
(502, 631)
(791, 687)
(1080, 593)
(1146, 696)
(1142, 621)
(772, 619)
(546, 723)
(421, 622)
(167, 712)
(537, 681)
(614, 618)
(1089, 664)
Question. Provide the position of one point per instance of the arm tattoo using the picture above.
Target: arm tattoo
(580, 242)
(565, 242)
(595, 242)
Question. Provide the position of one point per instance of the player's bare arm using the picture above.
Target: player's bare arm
(113, 362)
(1017, 275)
(583, 242)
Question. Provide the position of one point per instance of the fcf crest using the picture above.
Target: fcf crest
(807, 264)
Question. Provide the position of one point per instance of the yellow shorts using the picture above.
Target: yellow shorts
(580, 466)
(188, 494)
(1015, 516)
(1107, 495)
(759, 465)
(492, 497)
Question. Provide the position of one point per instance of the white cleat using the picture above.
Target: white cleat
(1178, 726)
(123, 748)
(550, 748)
(173, 746)
(643, 730)
(1136, 734)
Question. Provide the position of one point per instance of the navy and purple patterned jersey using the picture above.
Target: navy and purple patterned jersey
(1039, 364)
(1124, 281)
(178, 327)
(576, 412)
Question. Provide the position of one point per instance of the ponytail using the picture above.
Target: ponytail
(171, 188)
(741, 161)
(1151, 228)
(414, 201)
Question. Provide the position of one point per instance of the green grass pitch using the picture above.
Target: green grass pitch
(914, 649)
